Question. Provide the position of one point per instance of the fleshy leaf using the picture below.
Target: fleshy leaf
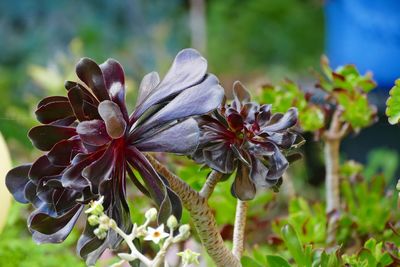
(188, 69)
(148, 83)
(113, 118)
(47, 229)
(90, 73)
(93, 132)
(181, 138)
(44, 137)
(196, 100)
(16, 181)
(393, 104)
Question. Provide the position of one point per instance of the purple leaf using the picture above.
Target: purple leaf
(289, 119)
(54, 111)
(196, 100)
(100, 170)
(47, 229)
(243, 188)
(148, 83)
(44, 137)
(93, 132)
(181, 138)
(16, 181)
(188, 69)
(113, 118)
(90, 73)
(42, 167)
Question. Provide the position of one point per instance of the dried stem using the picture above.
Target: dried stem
(209, 185)
(202, 216)
(239, 227)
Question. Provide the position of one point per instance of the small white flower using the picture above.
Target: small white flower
(189, 257)
(156, 235)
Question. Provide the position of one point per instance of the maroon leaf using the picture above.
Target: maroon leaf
(93, 132)
(90, 73)
(113, 118)
(47, 229)
(182, 138)
(54, 111)
(16, 181)
(44, 137)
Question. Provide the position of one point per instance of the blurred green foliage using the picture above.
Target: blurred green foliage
(18, 250)
(288, 94)
(246, 35)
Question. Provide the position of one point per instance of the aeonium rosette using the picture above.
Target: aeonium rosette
(92, 145)
(247, 138)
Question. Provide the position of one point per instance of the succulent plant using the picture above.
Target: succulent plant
(91, 146)
(246, 137)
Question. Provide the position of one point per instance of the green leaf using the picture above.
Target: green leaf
(393, 104)
(249, 262)
(295, 247)
(277, 261)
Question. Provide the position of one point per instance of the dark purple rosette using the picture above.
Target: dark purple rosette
(92, 145)
(247, 138)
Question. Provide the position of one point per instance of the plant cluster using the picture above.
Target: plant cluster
(92, 147)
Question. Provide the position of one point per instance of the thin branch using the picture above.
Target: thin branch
(209, 185)
(239, 227)
(202, 216)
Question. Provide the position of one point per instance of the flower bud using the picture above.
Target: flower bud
(96, 207)
(184, 232)
(151, 214)
(101, 234)
(398, 185)
(172, 222)
(93, 220)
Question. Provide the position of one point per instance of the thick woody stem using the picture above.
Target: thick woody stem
(239, 227)
(202, 216)
(209, 185)
(332, 139)
(331, 151)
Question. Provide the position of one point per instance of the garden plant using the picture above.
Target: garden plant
(95, 152)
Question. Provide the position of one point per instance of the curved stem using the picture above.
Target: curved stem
(202, 216)
(209, 185)
(134, 252)
(239, 227)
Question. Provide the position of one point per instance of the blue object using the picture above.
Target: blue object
(365, 33)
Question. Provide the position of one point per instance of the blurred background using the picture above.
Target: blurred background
(255, 41)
